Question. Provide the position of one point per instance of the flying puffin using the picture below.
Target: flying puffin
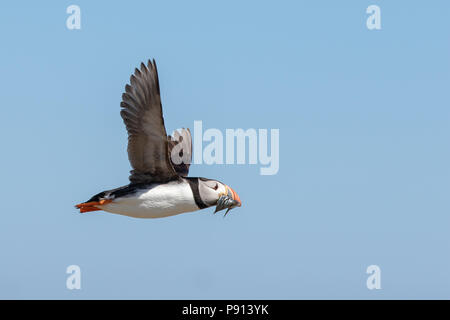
(159, 186)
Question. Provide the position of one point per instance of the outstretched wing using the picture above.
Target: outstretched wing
(141, 112)
(180, 150)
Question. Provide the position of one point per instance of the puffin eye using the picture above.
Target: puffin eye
(216, 187)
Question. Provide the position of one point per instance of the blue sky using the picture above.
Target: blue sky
(364, 148)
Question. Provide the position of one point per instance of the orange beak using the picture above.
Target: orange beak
(233, 195)
(228, 201)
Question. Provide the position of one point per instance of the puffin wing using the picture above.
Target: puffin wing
(180, 150)
(148, 149)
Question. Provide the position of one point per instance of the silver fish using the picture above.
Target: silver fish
(226, 202)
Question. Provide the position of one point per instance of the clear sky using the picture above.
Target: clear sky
(364, 148)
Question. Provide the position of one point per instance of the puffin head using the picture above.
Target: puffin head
(216, 193)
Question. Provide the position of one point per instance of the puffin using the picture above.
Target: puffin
(159, 183)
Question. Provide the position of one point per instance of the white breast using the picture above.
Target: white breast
(156, 202)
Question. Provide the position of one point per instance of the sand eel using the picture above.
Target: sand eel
(159, 186)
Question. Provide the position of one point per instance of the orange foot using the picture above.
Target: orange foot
(91, 206)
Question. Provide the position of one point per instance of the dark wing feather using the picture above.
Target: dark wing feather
(180, 150)
(141, 112)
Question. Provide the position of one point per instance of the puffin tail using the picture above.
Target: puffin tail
(91, 206)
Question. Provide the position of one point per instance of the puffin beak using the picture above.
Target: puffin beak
(228, 200)
(234, 196)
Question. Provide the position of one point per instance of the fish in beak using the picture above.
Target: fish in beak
(228, 200)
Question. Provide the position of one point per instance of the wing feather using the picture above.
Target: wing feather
(148, 146)
(180, 150)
